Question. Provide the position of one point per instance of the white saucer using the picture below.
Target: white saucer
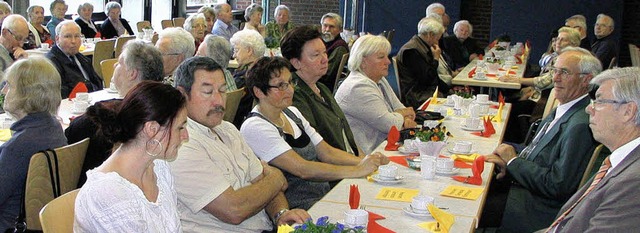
(480, 79)
(409, 211)
(452, 151)
(77, 111)
(379, 179)
(109, 90)
(484, 103)
(88, 100)
(464, 127)
(448, 173)
(402, 150)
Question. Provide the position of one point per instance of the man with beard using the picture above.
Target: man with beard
(336, 46)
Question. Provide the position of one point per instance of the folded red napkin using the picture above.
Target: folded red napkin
(373, 226)
(80, 87)
(354, 196)
(518, 60)
(495, 106)
(399, 159)
(425, 105)
(476, 170)
(480, 57)
(460, 164)
(392, 139)
(500, 97)
(472, 72)
(481, 134)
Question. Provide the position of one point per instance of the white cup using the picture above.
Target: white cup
(462, 146)
(82, 96)
(482, 98)
(484, 109)
(428, 167)
(44, 46)
(388, 171)
(80, 106)
(419, 204)
(480, 75)
(356, 218)
(450, 99)
(444, 164)
(474, 110)
(472, 122)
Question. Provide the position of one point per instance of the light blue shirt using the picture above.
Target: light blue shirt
(222, 29)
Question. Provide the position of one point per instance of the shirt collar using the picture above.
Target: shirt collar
(563, 108)
(619, 154)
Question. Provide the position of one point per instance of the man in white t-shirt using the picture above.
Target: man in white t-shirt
(221, 184)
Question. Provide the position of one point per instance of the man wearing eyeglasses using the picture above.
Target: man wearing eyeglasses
(605, 46)
(579, 22)
(73, 67)
(176, 45)
(14, 31)
(547, 172)
(609, 202)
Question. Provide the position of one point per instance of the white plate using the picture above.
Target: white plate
(480, 79)
(109, 90)
(448, 173)
(402, 150)
(409, 211)
(452, 151)
(464, 127)
(378, 179)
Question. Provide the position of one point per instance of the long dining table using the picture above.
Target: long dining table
(467, 212)
(466, 77)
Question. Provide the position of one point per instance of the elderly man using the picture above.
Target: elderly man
(547, 172)
(335, 45)
(221, 184)
(579, 22)
(5, 10)
(605, 46)
(418, 64)
(14, 32)
(435, 8)
(609, 202)
(71, 64)
(176, 45)
(223, 26)
(461, 47)
(219, 49)
(138, 61)
(57, 8)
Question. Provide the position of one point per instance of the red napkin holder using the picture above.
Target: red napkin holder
(392, 139)
(354, 196)
(472, 72)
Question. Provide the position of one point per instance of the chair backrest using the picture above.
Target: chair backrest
(142, 24)
(552, 102)
(103, 50)
(57, 216)
(166, 23)
(613, 63)
(38, 189)
(231, 106)
(178, 22)
(390, 35)
(106, 67)
(341, 74)
(635, 55)
(120, 44)
(397, 73)
(588, 172)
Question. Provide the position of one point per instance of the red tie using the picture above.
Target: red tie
(601, 173)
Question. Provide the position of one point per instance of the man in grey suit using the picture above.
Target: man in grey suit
(547, 172)
(610, 205)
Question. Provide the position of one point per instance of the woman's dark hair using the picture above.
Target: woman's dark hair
(292, 42)
(147, 101)
(261, 72)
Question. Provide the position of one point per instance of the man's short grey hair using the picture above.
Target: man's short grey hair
(84, 6)
(110, 6)
(188, 23)
(588, 64)
(61, 24)
(253, 8)
(219, 49)
(463, 22)
(606, 16)
(579, 19)
(10, 22)
(433, 6)
(429, 25)
(574, 35)
(5, 7)
(435, 17)
(626, 85)
(181, 41)
(279, 8)
(250, 39)
(365, 46)
(33, 8)
(207, 10)
(334, 16)
(145, 58)
(218, 7)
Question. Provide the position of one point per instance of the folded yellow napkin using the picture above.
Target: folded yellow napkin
(5, 134)
(285, 229)
(466, 158)
(443, 222)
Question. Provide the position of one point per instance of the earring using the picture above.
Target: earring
(148, 145)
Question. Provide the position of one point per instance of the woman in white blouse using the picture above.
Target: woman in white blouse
(367, 100)
(133, 190)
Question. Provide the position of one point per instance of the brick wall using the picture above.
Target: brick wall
(478, 13)
(302, 11)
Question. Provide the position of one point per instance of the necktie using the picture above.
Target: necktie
(84, 73)
(601, 173)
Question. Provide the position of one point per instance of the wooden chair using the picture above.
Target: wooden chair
(57, 216)
(590, 166)
(166, 23)
(106, 67)
(613, 63)
(231, 106)
(178, 22)
(552, 102)
(120, 41)
(143, 24)
(103, 50)
(39, 186)
(635, 55)
(397, 73)
(342, 73)
(154, 39)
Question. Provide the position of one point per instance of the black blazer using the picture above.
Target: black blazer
(70, 74)
(455, 49)
(108, 31)
(85, 29)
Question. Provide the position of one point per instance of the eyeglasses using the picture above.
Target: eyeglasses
(284, 85)
(72, 36)
(599, 101)
(564, 73)
(16, 37)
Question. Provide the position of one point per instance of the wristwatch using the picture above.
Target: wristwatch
(277, 216)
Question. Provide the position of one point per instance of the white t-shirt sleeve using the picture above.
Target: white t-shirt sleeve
(263, 138)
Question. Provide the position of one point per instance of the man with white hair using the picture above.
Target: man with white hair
(460, 46)
(435, 8)
(14, 32)
(219, 49)
(604, 47)
(223, 26)
(579, 22)
(176, 45)
(335, 45)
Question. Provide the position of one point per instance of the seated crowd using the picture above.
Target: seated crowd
(171, 163)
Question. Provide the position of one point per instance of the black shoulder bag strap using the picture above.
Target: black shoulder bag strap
(287, 112)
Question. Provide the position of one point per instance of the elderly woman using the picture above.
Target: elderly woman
(418, 64)
(148, 127)
(248, 47)
(38, 34)
(58, 9)
(460, 46)
(365, 96)
(218, 49)
(276, 29)
(280, 135)
(32, 98)
(5, 10)
(209, 17)
(196, 25)
(114, 26)
(87, 26)
(304, 48)
(253, 15)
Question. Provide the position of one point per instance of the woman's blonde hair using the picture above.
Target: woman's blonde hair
(365, 46)
(36, 84)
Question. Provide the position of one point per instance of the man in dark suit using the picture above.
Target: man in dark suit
(72, 65)
(605, 46)
(609, 202)
(547, 172)
(461, 47)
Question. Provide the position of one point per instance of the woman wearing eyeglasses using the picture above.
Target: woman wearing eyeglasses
(279, 134)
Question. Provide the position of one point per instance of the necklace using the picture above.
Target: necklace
(281, 120)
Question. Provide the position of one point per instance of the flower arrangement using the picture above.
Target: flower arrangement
(322, 225)
(434, 134)
(464, 92)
